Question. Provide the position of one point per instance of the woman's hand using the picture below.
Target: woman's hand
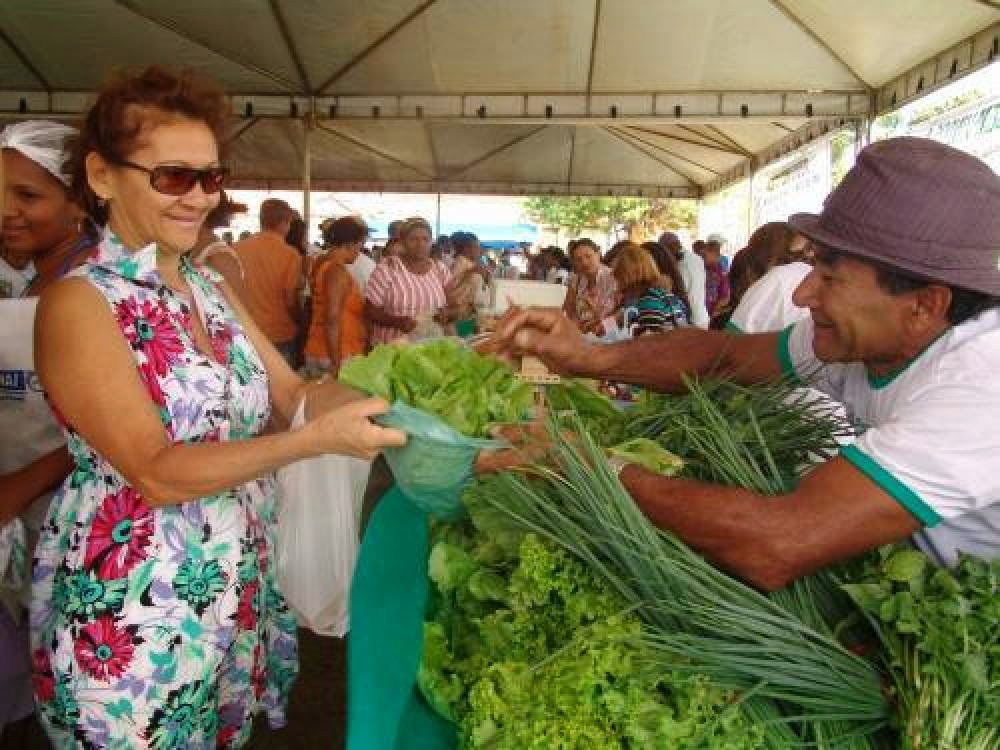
(349, 431)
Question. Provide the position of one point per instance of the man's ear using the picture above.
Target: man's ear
(930, 304)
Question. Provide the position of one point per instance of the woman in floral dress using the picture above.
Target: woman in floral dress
(155, 617)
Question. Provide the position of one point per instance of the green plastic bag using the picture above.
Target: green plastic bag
(388, 600)
(436, 463)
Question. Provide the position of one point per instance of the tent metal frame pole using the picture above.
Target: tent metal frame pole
(668, 152)
(666, 165)
(354, 61)
(689, 141)
(437, 217)
(372, 150)
(307, 126)
(25, 60)
(494, 151)
(286, 37)
(812, 34)
(593, 52)
(173, 28)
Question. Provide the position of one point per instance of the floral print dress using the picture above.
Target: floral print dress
(161, 627)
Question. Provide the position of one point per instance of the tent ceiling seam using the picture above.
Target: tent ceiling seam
(711, 139)
(373, 150)
(746, 152)
(286, 37)
(814, 35)
(25, 60)
(435, 161)
(593, 49)
(669, 167)
(629, 131)
(572, 156)
(350, 64)
(713, 146)
(173, 28)
(240, 131)
(493, 152)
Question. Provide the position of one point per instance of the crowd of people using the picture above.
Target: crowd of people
(152, 367)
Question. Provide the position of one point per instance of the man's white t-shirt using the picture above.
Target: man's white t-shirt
(928, 435)
(692, 269)
(767, 305)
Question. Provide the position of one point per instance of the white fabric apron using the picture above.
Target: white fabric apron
(27, 432)
(28, 429)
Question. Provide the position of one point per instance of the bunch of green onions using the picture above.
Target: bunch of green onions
(796, 678)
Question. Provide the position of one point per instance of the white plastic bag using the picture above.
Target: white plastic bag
(319, 515)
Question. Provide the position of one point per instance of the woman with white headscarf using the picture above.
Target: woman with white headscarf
(44, 233)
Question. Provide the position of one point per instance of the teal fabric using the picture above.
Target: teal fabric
(388, 599)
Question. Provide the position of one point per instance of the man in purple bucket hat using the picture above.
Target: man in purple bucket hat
(904, 330)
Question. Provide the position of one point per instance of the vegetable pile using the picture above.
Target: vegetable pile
(467, 391)
(562, 618)
(940, 645)
(527, 648)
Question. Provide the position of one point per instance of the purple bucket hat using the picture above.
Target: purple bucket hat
(919, 206)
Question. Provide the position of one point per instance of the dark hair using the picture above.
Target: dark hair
(131, 101)
(274, 212)
(667, 264)
(296, 236)
(415, 222)
(584, 241)
(615, 251)
(463, 240)
(965, 303)
(345, 231)
(393, 230)
(219, 216)
(770, 245)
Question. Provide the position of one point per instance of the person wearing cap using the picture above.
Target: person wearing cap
(692, 268)
(337, 328)
(904, 330)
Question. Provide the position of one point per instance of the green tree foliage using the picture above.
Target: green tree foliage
(638, 216)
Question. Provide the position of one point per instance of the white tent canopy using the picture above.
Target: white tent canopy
(651, 97)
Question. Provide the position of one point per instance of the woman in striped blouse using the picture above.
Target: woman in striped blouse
(409, 294)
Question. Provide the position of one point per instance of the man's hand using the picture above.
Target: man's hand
(406, 325)
(548, 335)
(530, 444)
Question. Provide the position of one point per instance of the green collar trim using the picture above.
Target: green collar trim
(785, 356)
(732, 327)
(878, 382)
(892, 486)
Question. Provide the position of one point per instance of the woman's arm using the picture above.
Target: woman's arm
(90, 375)
(377, 314)
(226, 264)
(20, 488)
(337, 285)
(569, 304)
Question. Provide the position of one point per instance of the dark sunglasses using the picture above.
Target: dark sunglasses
(175, 180)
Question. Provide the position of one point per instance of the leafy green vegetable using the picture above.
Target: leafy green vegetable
(466, 390)
(649, 454)
(940, 645)
(531, 650)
